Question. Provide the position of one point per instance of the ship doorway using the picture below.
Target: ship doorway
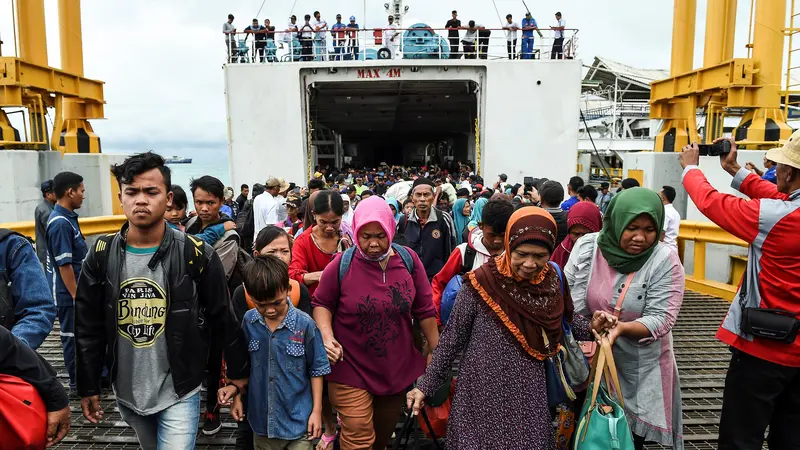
(364, 124)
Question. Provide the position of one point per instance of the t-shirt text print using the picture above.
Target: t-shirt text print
(141, 311)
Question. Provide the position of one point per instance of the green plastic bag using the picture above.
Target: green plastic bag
(602, 424)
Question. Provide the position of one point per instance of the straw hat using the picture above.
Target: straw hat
(789, 154)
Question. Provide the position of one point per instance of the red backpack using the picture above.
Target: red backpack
(23, 417)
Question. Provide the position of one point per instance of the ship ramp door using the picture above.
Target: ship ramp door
(394, 122)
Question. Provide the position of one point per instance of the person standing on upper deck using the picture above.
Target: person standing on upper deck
(230, 36)
(41, 215)
(511, 28)
(306, 35)
(528, 25)
(259, 39)
(558, 38)
(338, 33)
(320, 37)
(352, 38)
(390, 33)
(453, 25)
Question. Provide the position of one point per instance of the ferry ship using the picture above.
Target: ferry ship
(177, 160)
(604, 120)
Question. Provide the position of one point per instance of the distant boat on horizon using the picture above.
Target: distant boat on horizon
(177, 160)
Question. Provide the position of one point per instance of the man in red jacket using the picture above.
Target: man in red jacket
(762, 387)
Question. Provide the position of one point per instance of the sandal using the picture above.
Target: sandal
(326, 442)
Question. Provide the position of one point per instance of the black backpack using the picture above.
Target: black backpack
(246, 225)
(193, 251)
(7, 316)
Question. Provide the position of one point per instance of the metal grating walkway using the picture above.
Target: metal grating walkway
(702, 362)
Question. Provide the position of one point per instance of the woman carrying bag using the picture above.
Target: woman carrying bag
(505, 312)
(624, 267)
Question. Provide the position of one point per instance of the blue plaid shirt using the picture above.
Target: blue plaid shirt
(282, 363)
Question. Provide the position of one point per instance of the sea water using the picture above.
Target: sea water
(205, 161)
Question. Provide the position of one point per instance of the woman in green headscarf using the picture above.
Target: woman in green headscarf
(627, 258)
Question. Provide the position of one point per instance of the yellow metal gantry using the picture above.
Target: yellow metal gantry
(29, 82)
(723, 82)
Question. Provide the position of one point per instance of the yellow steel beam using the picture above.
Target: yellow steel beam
(707, 232)
(720, 27)
(768, 40)
(32, 31)
(89, 225)
(15, 73)
(71, 40)
(712, 288)
(683, 24)
(731, 74)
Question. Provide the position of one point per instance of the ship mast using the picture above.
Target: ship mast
(396, 9)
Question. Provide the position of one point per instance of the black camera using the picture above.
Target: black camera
(716, 149)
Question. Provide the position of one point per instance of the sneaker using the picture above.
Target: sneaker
(212, 424)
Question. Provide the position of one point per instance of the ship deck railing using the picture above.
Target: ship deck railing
(370, 44)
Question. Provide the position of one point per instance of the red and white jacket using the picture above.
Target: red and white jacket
(769, 221)
(454, 265)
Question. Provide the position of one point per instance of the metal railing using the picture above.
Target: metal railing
(702, 233)
(406, 43)
(89, 225)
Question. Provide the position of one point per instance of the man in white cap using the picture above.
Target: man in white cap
(267, 205)
(762, 387)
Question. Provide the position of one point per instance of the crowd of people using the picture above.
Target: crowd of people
(307, 40)
(317, 313)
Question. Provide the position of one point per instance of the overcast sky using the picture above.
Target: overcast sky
(161, 60)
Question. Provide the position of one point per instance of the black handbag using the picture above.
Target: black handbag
(773, 324)
(409, 427)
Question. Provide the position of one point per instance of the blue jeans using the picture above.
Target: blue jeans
(320, 49)
(527, 47)
(66, 320)
(174, 428)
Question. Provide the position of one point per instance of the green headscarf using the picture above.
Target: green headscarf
(623, 209)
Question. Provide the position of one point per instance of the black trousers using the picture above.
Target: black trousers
(483, 43)
(512, 49)
(454, 54)
(214, 368)
(244, 433)
(469, 50)
(758, 394)
(307, 47)
(558, 49)
(261, 48)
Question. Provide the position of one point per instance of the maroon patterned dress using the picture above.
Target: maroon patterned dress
(500, 398)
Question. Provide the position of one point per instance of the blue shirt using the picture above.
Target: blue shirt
(528, 23)
(336, 27)
(34, 310)
(569, 203)
(282, 363)
(770, 175)
(65, 245)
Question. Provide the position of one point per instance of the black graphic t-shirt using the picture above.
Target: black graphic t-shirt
(144, 382)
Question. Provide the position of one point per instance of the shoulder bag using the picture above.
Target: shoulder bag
(590, 347)
(602, 424)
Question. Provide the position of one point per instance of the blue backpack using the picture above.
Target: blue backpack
(347, 259)
(454, 285)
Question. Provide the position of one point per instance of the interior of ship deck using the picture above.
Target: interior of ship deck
(364, 123)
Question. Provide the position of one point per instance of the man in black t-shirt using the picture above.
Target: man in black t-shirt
(453, 25)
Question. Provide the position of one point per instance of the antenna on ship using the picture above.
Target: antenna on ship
(396, 9)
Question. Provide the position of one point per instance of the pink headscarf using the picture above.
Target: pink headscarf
(374, 209)
(581, 213)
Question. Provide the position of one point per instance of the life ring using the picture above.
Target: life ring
(384, 53)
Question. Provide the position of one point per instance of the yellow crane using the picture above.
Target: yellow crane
(28, 82)
(724, 82)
